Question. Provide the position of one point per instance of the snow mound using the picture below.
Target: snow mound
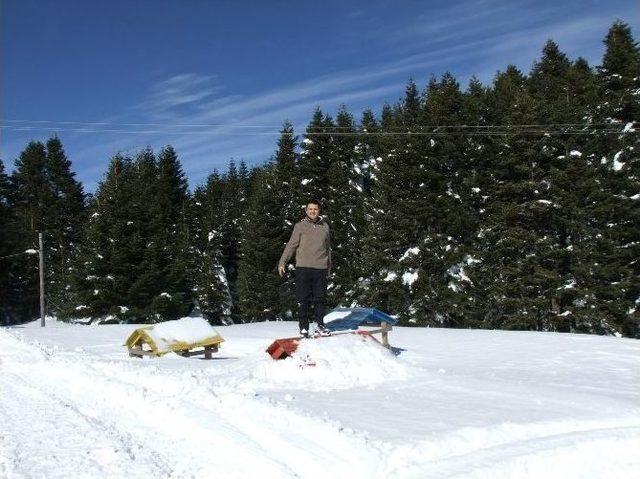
(187, 330)
(336, 362)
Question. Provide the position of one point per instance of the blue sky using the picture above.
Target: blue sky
(216, 79)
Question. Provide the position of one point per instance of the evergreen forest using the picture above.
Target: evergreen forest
(513, 205)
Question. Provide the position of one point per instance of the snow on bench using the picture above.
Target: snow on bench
(341, 319)
(180, 336)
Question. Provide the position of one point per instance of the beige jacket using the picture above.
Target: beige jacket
(311, 243)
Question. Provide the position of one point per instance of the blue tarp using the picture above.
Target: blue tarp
(359, 317)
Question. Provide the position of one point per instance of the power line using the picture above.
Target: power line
(235, 125)
(176, 125)
(436, 131)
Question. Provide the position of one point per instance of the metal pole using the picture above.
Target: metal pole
(41, 255)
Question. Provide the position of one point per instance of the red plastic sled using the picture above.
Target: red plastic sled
(284, 348)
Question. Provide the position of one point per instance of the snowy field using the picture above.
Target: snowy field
(449, 403)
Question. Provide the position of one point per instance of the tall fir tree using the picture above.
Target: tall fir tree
(619, 75)
(507, 244)
(271, 213)
(397, 209)
(31, 202)
(472, 182)
(287, 168)
(447, 226)
(369, 151)
(64, 225)
(290, 204)
(346, 210)
(109, 254)
(211, 285)
(568, 170)
(7, 299)
(557, 219)
(174, 296)
(617, 295)
(260, 288)
(233, 197)
(144, 254)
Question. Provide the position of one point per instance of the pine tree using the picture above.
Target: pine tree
(64, 225)
(7, 299)
(557, 219)
(174, 295)
(211, 287)
(398, 208)
(616, 291)
(260, 288)
(619, 75)
(549, 85)
(233, 197)
(447, 227)
(272, 210)
(31, 202)
(45, 197)
(567, 169)
(289, 204)
(345, 210)
(472, 182)
(583, 93)
(537, 213)
(368, 155)
(145, 252)
(507, 244)
(108, 256)
(287, 168)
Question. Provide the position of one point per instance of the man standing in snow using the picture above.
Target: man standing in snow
(311, 244)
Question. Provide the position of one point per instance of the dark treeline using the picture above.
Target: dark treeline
(514, 205)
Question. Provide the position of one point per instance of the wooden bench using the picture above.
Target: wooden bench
(384, 333)
(147, 341)
(353, 318)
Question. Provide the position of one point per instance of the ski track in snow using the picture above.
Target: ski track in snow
(95, 448)
(130, 418)
(533, 452)
(235, 434)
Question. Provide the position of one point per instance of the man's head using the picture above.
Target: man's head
(313, 209)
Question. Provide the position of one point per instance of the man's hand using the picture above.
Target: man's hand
(281, 270)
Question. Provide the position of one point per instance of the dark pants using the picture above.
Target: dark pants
(311, 289)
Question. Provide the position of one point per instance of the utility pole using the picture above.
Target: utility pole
(41, 255)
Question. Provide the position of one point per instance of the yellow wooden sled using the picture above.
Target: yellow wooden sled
(157, 340)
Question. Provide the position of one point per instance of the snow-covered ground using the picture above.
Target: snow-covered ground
(449, 403)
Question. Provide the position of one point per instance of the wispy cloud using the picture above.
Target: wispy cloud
(267, 110)
(222, 138)
(500, 26)
(215, 122)
(209, 121)
(324, 88)
(456, 20)
(182, 90)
